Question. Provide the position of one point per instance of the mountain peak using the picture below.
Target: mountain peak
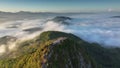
(64, 53)
(53, 49)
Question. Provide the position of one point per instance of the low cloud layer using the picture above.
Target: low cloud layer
(94, 28)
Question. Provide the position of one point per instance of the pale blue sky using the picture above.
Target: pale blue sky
(59, 5)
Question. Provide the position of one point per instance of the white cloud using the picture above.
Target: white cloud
(98, 28)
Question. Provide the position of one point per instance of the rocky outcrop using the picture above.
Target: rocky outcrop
(64, 55)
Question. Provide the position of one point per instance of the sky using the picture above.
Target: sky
(59, 5)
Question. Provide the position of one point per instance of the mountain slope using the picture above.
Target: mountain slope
(54, 49)
(48, 51)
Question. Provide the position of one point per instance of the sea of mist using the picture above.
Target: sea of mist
(99, 28)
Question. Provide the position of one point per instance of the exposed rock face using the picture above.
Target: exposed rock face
(59, 40)
(64, 55)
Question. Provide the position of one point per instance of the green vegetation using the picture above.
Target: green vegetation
(67, 53)
(61, 20)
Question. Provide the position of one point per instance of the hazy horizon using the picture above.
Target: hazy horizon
(60, 5)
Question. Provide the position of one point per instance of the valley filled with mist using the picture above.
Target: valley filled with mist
(94, 30)
(102, 28)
